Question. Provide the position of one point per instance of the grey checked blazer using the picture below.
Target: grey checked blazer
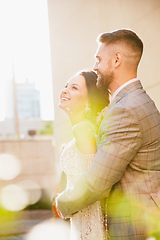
(127, 165)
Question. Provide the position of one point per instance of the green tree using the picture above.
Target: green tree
(48, 128)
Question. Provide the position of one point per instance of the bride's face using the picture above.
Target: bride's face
(74, 96)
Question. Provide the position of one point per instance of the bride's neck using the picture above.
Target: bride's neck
(76, 118)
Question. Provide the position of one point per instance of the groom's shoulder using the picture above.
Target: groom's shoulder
(136, 99)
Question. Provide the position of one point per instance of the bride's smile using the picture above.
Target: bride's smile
(64, 98)
(74, 96)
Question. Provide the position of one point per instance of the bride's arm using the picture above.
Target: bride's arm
(84, 135)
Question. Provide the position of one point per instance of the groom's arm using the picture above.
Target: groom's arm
(121, 139)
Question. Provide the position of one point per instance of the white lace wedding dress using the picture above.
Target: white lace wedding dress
(88, 224)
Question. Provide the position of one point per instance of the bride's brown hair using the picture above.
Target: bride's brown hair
(98, 99)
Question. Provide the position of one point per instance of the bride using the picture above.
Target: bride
(82, 101)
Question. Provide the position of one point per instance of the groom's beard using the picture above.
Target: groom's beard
(105, 80)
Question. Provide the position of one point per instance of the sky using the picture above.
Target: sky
(24, 43)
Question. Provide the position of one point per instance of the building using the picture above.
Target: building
(28, 109)
(28, 101)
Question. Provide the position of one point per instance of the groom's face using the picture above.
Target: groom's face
(103, 66)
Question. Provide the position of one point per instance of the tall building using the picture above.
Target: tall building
(9, 100)
(28, 108)
(28, 101)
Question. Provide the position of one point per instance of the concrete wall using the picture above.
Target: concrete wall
(36, 160)
(74, 27)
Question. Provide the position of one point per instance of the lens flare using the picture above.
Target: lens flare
(54, 229)
(10, 167)
(13, 198)
(32, 189)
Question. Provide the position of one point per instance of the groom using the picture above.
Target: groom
(127, 163)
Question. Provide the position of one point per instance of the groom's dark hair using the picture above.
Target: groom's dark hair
(123, 36)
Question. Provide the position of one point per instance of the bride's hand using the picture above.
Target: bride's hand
(55, 205)
(56, 211)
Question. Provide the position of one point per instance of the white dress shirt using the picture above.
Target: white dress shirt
(121, 87)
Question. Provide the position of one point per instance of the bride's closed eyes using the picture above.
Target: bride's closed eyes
(74, 86)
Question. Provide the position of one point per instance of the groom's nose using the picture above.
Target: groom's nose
(95, 67)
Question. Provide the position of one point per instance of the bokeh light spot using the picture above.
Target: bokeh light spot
(54, 229)
(10, 167)
(13, 198)
(32, 189)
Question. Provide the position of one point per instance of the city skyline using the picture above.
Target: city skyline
(27, 98)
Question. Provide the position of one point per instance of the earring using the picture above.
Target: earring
(87, 110)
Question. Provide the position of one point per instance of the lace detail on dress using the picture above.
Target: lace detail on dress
(88, 224)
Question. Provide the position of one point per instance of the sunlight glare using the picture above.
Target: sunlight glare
(10, 167)
(13, 198)
(54, 229)
(24, 30)
(32, 189)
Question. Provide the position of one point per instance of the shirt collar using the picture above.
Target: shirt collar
(121, 87)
